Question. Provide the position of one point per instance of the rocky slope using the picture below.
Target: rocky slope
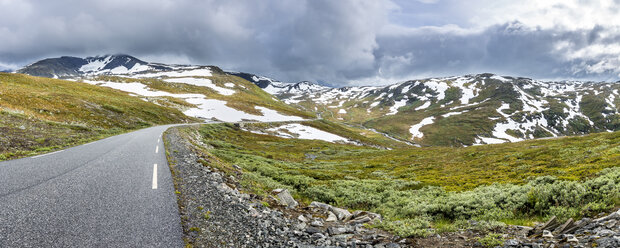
(465, 110)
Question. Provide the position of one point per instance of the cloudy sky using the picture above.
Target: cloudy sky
(339, 42)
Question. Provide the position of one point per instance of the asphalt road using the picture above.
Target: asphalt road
(107, 193)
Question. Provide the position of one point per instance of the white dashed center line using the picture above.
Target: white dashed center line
(155, 176)
(157, 149)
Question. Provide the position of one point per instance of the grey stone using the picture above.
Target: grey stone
(392, 245)
(605, 233)
(571, 238)
(286, 199)
(331, 217)
(342, 238)
(337, 230)
(511, 243)
(342, 214)
(317, 223)
(547, 234)
(312, 230)
(302, 218)
(319, 205)
(360, 220)
(318, 236)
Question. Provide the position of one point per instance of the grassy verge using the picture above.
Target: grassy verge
(426, 190)
(39, 115)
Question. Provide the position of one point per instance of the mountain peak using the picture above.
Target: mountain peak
(69, 66)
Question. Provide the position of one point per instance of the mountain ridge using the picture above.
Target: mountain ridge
(517, 108)
(445, 111)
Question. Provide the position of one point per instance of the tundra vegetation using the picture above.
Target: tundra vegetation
(420, 191)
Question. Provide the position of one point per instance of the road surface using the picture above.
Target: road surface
(115, 192)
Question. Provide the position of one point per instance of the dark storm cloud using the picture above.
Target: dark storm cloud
(335, 42)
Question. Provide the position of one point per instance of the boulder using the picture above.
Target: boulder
(285, 198)
(319, 206)
(342, 214)
(571, 238)
(317, 223)
(338, 230)
(331, 217)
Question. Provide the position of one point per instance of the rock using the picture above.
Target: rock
(253, 212)
(338, 230)
(277, 191)
(605, 233)
(331, 217)
(360, 220)
(301, 226)
(286, 199)
(511, 243)
(611, 223)
(318, 236)
(547, 234)
(312, 230)
(392, 245)
(342, 214)
(571, 238)
(608, 217)
(342, 238)
(317, 223)
(319, 205)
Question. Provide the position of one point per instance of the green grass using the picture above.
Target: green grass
(41, 114)
(418, 188)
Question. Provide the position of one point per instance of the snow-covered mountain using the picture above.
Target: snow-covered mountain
(276, 87)
(450, 111)
(199, 91)
(120, 64)
(469, 110)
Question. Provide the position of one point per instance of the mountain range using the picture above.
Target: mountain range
(448, 111)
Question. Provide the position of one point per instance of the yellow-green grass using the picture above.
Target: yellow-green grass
(42, 114)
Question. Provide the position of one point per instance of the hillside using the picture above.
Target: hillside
(463, 111)
(204, 92)
(426, 190)
(42, 114)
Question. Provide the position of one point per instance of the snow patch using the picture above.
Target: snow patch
(299, 131)
(415, 129)
(396, 106)
(204, 72)
(202, 82)
(423, 106)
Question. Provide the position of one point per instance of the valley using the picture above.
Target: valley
(479, 153)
